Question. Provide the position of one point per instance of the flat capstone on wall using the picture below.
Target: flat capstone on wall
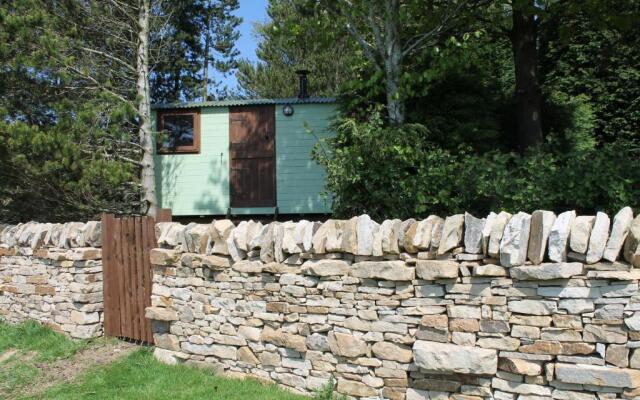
(52, 273)
(509, 307)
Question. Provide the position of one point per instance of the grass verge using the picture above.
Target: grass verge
(141, 376)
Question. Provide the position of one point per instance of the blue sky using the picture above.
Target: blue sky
(251, 11)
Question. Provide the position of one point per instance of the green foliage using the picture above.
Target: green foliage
(298, 36)
(328, 392)
(199, 35)
(31, 336)
(141, 376)
(401, 172)
(595, 53)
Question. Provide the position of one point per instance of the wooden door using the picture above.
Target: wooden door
(252, 133)
(127, 275)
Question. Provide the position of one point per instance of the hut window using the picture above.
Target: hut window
(179, 131)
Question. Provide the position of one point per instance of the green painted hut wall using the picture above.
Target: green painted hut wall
(198, 184)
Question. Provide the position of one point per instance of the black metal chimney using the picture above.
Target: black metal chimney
(302, 75)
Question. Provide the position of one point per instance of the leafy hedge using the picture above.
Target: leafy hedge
(399, 172)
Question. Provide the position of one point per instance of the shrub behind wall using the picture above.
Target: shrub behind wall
(398, 171)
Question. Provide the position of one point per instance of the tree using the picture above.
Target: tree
(58, 133)
(298, 37)
(95, 51)
(198, 36)
(528, 96)
(390, 31)
(593, 53)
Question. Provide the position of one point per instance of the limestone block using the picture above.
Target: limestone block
(473, 228)
(436, 234)
(452, 232)
(334, 234)
(598, 238)
(619, 232)
(387, 270)
(289, 241)
(346, 345)
(366, 230)
(632, 244)
(390, 229)
(597, 375)
(325, 267)
(497, 231)
(392, 351)
(267, 252)
(580, 232)
(422, 238)
(547, 271)
(161, 314)
(430, 270)
(449, 358)
(349, 236)
(533, 307)
(310, 230)
(486, 231)
(513, 246)
(541, 224)
(559, 236)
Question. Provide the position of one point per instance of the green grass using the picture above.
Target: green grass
(30, 336)
(32, 343)
(140, 376)
(136, 376)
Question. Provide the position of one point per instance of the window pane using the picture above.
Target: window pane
(178, 130)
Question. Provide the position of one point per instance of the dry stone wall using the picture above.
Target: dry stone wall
(521, 307)
(52, 273)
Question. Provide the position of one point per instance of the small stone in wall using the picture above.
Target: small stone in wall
(387, 270)
(390, 231)
(580, 232)
(220, 231)
(619, 232)
(346, 345)
(559, 236)
(497, 231)
(598, 238)
(366, 229)
(486, 231)
(473, 233)
(452, 232)
(438, 357)
(632, 244)
(541, 224)
(513, 246)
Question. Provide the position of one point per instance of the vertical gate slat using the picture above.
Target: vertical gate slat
(139, 293)
(133, 249)
(129, 274)
(148, 242)
(122, 276)
(117, 276)
(106, 264)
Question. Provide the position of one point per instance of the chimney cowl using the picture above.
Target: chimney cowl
(303, 92)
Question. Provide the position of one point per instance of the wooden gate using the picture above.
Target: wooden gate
(252, 152)
(127, 275)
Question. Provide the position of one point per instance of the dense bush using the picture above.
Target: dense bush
(400, 172)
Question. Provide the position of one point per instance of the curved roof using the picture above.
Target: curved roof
(245, 102)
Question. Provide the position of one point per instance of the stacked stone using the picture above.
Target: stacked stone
(52, 273)
(507, 307)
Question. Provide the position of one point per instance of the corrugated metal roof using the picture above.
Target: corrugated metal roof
(245, 102)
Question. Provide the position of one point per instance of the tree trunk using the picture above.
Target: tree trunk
(147, 178)
(207, 44)
(393, 64)
(527, 96)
